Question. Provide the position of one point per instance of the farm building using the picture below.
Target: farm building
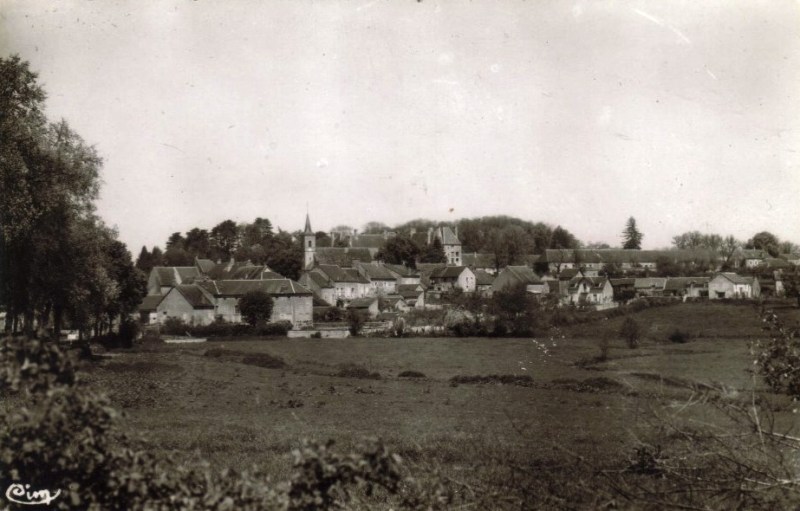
(731, 285)
(186, 302)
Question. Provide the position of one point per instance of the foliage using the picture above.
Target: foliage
(399, 250)
(630, 332)
(497, 379)
(66, 437)
(356, 371)
(355, 321)
(176, 326)
(779, 357)
(517, 311)
(631, 236)
(256, 307)
(791, 285)
(411, 374)
(433, 253)
(678, 336)
(765, 241)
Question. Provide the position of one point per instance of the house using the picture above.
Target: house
(425, 271)
(520, 275)
(689, 287)
(731, 285)
(291, 301)
(793, 259)
(367, 305)
(450, 243)
(186, 302)
(480, 261)
(749, 258)
(585, 291)
(403, 274)
(626, 259)
(649, 286)
(347, 283)
(164, 278)
(322, 288)
(413, 294)
(393, 303)
(453, 277)
(382, 281)
(623, 289)
(771, 283)
(483, 282)
(344, 257)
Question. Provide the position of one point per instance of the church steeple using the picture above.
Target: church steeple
(309, 245)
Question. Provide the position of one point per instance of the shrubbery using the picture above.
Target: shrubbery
(174, 326)
(57, 435)
(356, 371)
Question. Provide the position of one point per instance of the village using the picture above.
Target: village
(350, 276)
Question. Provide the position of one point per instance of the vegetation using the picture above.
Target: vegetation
(256, 307)
(630, 332)
(631, 236)
(175, 326)
(57, 259)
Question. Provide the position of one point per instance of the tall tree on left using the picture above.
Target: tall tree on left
(49, 234)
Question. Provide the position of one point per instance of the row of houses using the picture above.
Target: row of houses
(206, 291)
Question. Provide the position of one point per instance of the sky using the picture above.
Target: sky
(682, 114)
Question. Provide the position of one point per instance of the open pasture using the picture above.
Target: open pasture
(242, 402)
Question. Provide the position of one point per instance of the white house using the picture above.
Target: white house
(731, 285)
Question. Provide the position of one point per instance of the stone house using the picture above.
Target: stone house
(731, 285)
(403, 275)
(186, 302)
(453, 277)
(590, 291)
(689, 287)
(291, 301)
(413, 294)
(346, 283)
(382, 281)
(367, 305)
(520, 275)
(649, 286)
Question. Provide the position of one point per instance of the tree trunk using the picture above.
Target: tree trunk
(28, 323)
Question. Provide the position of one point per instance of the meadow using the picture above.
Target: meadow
(538, 412)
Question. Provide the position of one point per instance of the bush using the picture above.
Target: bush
(174, 326)
(264, 360)
(357, 371)
(678, 336)
(630, 332)
(411, 374)
(65, 437)
(355, 321)
(499, 379)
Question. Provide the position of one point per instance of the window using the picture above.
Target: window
(309, 244)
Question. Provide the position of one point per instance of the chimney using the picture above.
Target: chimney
(333, 238)
(430, 235)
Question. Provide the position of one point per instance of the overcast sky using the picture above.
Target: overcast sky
(685, 115)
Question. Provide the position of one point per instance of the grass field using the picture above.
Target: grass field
(216, 401)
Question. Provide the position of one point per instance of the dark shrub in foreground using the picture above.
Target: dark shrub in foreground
(264, 360)
(357, 371)
(174, 326)
(411, 374)
(679, 337)
(522, 380)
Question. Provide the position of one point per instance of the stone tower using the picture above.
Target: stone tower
(309, 245)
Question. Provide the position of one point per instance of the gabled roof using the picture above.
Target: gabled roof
(650, 283)
(376, 272)
(237, 288)
(681, 283)
(174, 275)
(319, 280)
(401, 270)
(150, 302)
(448, 272)
(428, 268)
(393, 299)
(568, 273)
(447, 236)
(342, 256)
(204, 265)
(482, 278)
(479, 260)
(354, 276)
(409, 288)
(195, 296)
(334, 273)
(735, 278)
(523, 274)
(362, 303)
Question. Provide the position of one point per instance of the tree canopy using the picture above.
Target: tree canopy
(631, 236)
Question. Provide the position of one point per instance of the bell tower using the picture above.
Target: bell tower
(309, 245)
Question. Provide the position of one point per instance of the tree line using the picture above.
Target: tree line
(58, 260)
(255, 242)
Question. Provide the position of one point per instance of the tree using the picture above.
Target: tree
(375, 228)
(631, 236)
(176, 240)
(562, 238)
(630, 332)
(285, 256)
(399, 250)
(256, 307)
(224, 239)
(791, 284)
(197, 243)
(433, 253)
(765, 241)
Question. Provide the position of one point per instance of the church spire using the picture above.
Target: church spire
(308, 226)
